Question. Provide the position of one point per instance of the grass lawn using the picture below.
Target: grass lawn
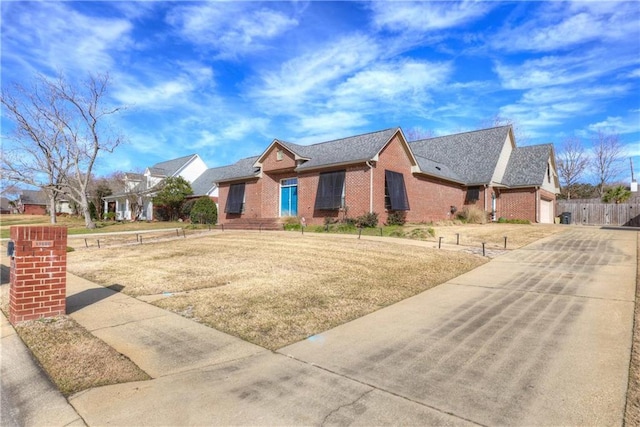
(271, 288)
(76, 224)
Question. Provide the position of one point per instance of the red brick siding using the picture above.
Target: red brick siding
(252, 201)
(35, 210)
(38, 276)
(433, 199)
(271, 163)
(517, 204)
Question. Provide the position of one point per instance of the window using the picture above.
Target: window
(279, 155)
(548, 172)
(330, 195)
(395, 193)
(235, 200)
(473, 195)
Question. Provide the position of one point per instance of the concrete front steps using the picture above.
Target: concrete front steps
(252, 224)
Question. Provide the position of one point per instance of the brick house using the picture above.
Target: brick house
(36, 202)
(381, 172)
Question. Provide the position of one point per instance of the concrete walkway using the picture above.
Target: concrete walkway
(538, 336)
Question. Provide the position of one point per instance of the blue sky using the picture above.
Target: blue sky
(223, 79)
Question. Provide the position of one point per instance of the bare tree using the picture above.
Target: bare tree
(417, 133)
(497, 121)
(62, 133)
(36, 155)
(608, 154)
(572, 162)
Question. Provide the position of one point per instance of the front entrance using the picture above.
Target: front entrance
(289, 197)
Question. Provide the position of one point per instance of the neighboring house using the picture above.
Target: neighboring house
(136, 201)
(36, 202)
(380, 172)
(6, 206)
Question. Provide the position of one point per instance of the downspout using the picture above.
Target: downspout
(368, 162)
(537, 205)
(486, 187)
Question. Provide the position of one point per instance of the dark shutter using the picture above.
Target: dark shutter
(396, 191)
(235, 199)
(330, 186)
(473, 195)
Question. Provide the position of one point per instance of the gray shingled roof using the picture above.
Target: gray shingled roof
(527, 166)
(353, 149)
(242, 169)
(206, 182)
(440, 170)
(170, 167)
(33, 197)
(471, 156)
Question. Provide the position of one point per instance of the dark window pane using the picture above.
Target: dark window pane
(330, 188)
(235, 199)
(395, 191)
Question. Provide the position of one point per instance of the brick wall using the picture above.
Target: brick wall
(252, 201)
(517, 204)
(38, 277)
(35, 210)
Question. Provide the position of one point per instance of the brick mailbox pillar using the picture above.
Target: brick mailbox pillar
(38, 278)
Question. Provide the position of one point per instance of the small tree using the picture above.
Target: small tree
(618, 194)
(606, 164)
(204, 211)
(572, 162)
(173, 193)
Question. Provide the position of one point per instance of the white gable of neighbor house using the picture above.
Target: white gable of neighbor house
(192, 170)
(503, 160)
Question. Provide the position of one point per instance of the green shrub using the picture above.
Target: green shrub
(204, 211)
(110, 216)
(367, 220)
(291, 220)
(421, 233)
(93, 212)
(292, 227)
(70, 249)
(187, 206)
(397, 218)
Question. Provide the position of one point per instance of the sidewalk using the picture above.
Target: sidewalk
(28, 396)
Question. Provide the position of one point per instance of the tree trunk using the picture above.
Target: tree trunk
(84, 206)
(52, 207)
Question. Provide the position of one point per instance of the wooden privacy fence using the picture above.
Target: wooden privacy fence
(625, 214)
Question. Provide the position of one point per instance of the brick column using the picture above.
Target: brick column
(38, 272)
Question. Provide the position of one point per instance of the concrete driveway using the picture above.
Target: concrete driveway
(539, 336)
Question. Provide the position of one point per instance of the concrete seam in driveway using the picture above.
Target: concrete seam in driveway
(373, 388)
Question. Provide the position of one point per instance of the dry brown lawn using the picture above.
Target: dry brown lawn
(272, 288)
(74, 359)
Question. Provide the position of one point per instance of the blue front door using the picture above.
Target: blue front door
(289, 197)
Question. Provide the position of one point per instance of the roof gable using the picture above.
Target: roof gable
(470, 156)
(170, 167)
(353, 149)
(528, 165)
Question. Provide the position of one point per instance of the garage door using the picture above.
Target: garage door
(546, 211)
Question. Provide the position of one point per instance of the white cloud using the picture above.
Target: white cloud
(231, 28)
(617, 124)
(561, 70)
(330, 124)
(311, 75)
(565, 25)
(55, 37)
(426, 16)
